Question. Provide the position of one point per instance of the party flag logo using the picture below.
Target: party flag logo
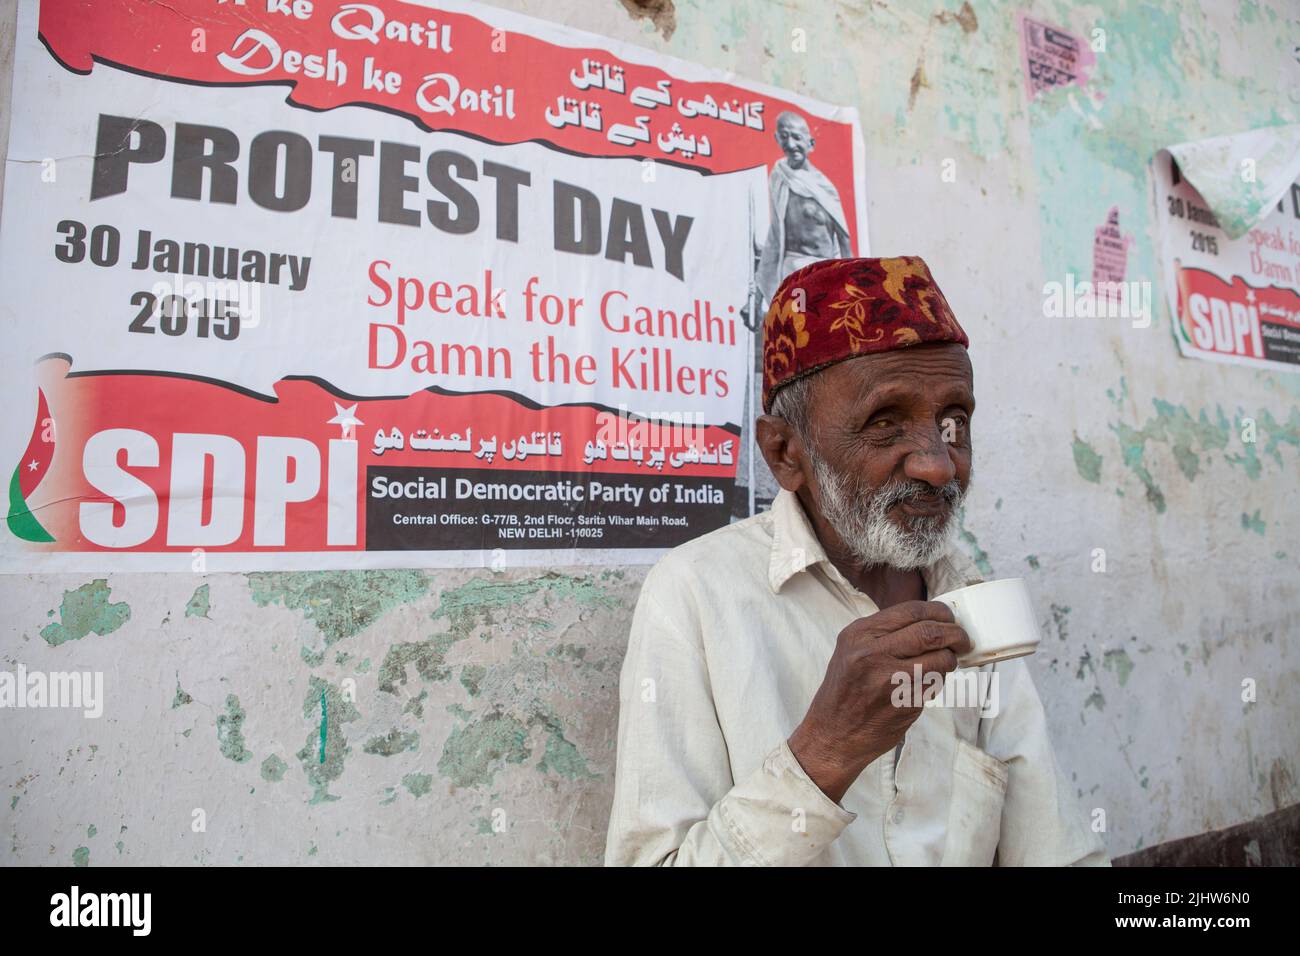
(29, 473)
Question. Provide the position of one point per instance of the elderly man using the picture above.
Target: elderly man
(758, 721)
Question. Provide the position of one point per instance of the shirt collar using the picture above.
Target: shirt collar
(796, 548)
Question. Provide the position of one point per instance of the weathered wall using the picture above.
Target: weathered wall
(481, 692)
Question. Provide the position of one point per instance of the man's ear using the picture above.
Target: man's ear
(782, 450)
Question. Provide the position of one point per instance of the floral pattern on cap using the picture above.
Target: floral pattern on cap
(838, 309)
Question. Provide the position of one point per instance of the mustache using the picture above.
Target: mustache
(911, 490)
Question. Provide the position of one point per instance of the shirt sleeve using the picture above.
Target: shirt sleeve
(675, 801)
(1042, 823)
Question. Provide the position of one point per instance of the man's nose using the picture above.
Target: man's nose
(931, 461)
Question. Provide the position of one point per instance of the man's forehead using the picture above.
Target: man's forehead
(921, 370)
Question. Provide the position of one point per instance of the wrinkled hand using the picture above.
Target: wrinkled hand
(853, 719)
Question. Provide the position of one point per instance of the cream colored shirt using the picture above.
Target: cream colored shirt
(729, 642)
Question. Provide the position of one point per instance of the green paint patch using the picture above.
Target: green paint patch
(86, 611)
(81, 856)
(1060, 618)
(273, 769)
(978, 554)
(560, 756)
(198, 605)
(1032, 561)
(416, 705)
(1253, 522)
(1175, 425)
(1118, 662)
(428, 657)
(418, 783)
(1279, 434)
(1119, 398)
(13, 802)
(392, 743)
(459, 711)
(1095, 699)
(1189, 439)
(484, 826)
(1086, 461)
(230, 732)
(1132, 453)
(1087, 667)
(340, 603)
(575, 653)
(320, 773)
(471, 677)
(478, 604)
(474, 604)
(91, 831)
(474, 753)
(181, 698)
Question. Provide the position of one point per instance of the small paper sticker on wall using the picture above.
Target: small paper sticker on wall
(1052, 57)
(1110, 250)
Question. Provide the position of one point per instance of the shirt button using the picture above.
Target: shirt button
(898, 816)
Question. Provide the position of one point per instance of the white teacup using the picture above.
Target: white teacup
(999, 618)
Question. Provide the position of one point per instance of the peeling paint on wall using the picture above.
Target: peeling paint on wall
(340, 603)
(230, 735)
(87, 610)
(1087, 461)
(1193, 441)
(334, 749)
(978, 554)
(198, 605)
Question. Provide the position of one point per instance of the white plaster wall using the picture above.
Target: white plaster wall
(1142, 666)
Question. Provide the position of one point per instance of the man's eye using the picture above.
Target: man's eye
(955, 428)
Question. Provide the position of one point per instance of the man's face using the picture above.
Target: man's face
(795, 139)
(890, 452)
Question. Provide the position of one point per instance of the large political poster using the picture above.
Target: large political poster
(303, 285)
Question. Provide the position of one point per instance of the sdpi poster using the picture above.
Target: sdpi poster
(299, 285)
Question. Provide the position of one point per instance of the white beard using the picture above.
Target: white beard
(860, 516)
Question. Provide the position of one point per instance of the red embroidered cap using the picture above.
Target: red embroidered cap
(838, 309)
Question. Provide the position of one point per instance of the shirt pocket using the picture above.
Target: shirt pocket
(979, 788)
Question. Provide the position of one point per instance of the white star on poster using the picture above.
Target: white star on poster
(346, 419)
